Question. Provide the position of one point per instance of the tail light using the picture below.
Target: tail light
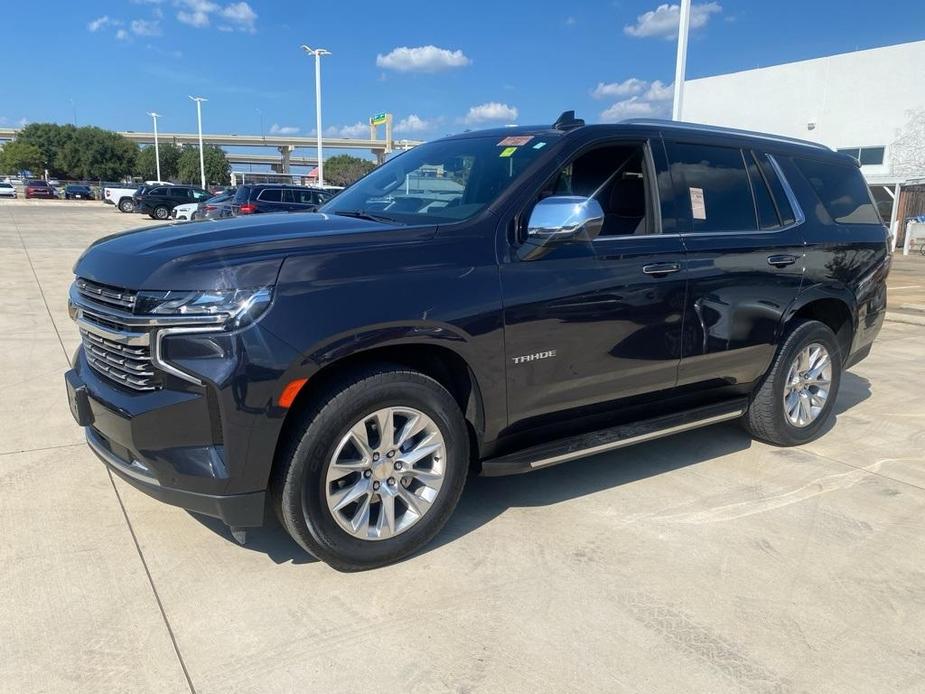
(247, 208)
(209, 208)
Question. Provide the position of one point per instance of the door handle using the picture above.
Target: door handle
(781, 260)
(661, 268)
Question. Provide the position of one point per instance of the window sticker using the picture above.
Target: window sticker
(698, 208)
(507, 151)
(515, 141)
(539, 145)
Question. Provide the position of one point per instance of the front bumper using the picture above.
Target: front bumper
(147, 447)
(237, 510)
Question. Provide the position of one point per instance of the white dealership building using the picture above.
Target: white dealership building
(869, 103)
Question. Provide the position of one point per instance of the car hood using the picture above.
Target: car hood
(225, 254)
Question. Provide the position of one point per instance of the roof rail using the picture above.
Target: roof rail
(699, 127)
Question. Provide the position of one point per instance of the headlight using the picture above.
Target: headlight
(238, 306)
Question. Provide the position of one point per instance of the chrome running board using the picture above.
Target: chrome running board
(584, 445)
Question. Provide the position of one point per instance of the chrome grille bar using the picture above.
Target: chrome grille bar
(103, 294)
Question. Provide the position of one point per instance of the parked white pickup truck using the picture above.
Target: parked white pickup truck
(123, 197)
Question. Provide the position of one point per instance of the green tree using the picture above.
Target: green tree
(146, 165)
(94, 153)
(344, 169)
(50, 138)
(218, 169)
(17, 156)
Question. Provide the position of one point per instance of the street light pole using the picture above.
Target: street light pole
(157, 151)
(318, 52)
(684, 25)
(202, 159)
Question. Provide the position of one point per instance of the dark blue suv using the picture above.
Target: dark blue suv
(496, 302)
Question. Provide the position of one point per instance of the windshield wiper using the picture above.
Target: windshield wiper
(363, 214)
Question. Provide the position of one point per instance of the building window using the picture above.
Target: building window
(867, 156)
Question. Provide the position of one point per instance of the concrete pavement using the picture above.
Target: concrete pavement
(705, 562)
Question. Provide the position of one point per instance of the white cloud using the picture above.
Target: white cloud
(659, 91)
(413, 124)
(236, 16)
(99, 23)
(490, 111)
(122, 35)
(196, 12)
(422, 59)
(663, 20)
(636, 107)
(241, 16)
(145, 27)
(356, 131)
(628, 87)
(277, 129)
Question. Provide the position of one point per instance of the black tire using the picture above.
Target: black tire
(766, 418)
(298, 484)
(126, 205)
(161, 213)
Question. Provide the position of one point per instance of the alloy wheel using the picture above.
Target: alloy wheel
(808, 382)
(386, 473)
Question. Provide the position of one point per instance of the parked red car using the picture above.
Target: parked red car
(39, 189)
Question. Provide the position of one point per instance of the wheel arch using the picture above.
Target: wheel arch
(836, 309)
(441, 363)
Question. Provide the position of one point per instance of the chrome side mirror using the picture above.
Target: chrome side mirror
(564, 217)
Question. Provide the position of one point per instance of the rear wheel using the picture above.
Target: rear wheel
(161, 212)
(794, 402)
(126, 205)
(375, 470)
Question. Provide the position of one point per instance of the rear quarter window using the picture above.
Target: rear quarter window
(270, 195)
(841, 190)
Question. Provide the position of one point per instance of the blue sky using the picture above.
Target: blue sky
(440, 67)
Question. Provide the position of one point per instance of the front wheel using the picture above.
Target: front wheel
(795, 400)
(375, 470)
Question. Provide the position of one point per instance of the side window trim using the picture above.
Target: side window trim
(751, 188)
(767, 185)
(799, 217)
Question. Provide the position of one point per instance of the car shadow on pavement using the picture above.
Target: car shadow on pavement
(271, 539)
(485, 498)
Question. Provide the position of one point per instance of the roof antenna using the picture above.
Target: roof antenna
(567, 121)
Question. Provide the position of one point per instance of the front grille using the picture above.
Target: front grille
(127, 365)
(104, 294)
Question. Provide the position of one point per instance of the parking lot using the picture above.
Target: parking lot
(704, 562)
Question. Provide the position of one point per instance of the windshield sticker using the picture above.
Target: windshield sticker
(515, 141)
(539, 145)
(698, 208)
(507, 151)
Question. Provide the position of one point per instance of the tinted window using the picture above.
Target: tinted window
(713, 187)
(764, 203)
(302, 197)
(270, 195)
(842, 191)
(158, 191)
(787, 216)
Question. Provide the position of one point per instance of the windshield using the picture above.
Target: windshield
(442, 181)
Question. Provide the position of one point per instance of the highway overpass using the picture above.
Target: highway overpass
(284, 143)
